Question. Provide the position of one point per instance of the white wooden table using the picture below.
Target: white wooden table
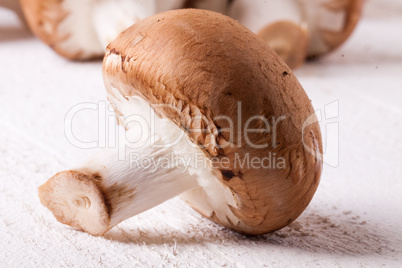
(355, 219)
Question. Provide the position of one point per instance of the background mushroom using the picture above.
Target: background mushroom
(323, 25)
(197, 85)
(296, 29)
(81, 29)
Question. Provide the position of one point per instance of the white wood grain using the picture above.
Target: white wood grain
(355, 218)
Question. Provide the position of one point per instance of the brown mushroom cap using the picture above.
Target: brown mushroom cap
(334, 39)
(204, 63)
(288, 39)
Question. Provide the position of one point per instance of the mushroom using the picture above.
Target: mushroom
(81, 29)
(212, 114)
(323, 24)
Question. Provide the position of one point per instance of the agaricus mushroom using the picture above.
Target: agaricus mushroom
(81, 29)
(211, 113)
(323, 24)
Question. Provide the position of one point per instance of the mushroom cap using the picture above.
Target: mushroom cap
(288, 39)
(207, 65)
(332, 39)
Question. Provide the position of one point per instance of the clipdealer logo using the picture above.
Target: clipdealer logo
(198, 160)
(112, 136)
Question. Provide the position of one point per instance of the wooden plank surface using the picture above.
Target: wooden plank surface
(355, 218)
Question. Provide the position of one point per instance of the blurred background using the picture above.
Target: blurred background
(355, 218)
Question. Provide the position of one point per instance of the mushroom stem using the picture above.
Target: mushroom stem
(153, 163)
(144, 179)
(288, 40)
(108, 189)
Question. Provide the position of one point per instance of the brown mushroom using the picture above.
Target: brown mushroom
(325, 24)
(81, 29)
(210, 92)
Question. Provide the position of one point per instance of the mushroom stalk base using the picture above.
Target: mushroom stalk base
(107, 190)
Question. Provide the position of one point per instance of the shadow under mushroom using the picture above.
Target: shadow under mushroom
(344, 234)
